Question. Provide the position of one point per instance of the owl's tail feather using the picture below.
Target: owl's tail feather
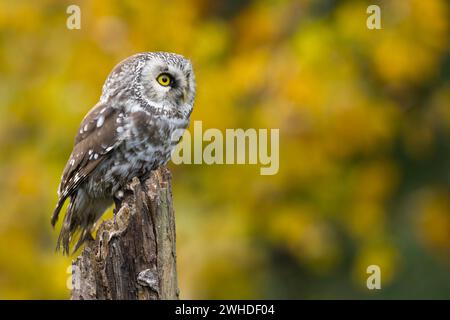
(57, 210)
(85, 235)
(79, 221)
(67, 230)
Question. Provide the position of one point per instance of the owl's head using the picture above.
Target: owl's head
(161, 79)
(168, 78)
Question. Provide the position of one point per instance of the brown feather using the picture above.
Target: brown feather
(90, 140)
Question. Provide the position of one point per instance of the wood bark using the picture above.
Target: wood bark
(133, 255)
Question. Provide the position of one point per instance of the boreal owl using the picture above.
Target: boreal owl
(145, 100)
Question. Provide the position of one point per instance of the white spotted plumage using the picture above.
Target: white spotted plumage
(128, 133)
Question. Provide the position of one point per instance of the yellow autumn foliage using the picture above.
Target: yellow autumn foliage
(364, 120)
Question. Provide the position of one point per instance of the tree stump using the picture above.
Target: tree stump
(133, 255)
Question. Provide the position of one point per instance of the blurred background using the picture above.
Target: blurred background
(364, 119)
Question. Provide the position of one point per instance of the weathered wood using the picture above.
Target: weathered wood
(133, 255)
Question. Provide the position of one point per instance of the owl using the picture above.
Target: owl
(145, 100)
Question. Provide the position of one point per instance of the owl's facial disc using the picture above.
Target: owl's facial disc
(169, 84)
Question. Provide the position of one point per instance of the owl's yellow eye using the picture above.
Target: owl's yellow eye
(164, 79)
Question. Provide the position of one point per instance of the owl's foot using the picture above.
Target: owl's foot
(144, 176)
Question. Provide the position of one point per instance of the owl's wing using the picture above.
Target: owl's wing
(96, 137)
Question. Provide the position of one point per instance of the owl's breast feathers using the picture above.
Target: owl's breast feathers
(97, 136)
